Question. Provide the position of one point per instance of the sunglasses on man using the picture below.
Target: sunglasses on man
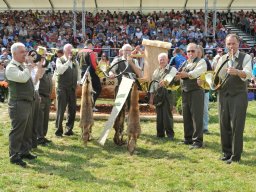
(191, 51)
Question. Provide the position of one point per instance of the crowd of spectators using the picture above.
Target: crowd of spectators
(110, 30)
(245, 20)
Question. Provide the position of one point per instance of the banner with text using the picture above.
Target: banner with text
(122, 94)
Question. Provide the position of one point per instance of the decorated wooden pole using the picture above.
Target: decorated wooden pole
(152, 49)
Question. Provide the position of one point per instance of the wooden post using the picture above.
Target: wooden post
(152, 50)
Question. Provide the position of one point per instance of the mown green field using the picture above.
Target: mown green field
(158, 166)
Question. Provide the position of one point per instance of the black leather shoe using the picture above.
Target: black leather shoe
(69, 133)
(229, 161)
(186, 142)
(58, 134)
(171, 138)
(206, 132)
(195, 146)
(47, 140)
(41, 141)
(28, 156)
(225, 158)
(19, 162)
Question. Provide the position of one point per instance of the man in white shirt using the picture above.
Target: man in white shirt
(192, 97)
(68, 76)
(21, 97)
(128, 65)
(233, 100)
(163, 98)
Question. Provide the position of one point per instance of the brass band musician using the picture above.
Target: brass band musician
(232, 98)
(192, 97)
(163, 99)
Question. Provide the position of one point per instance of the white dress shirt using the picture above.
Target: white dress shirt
(61, 68)
(198, 69)
(13, 73)
(247, 65)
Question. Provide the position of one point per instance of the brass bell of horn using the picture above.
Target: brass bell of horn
(36, 57)
(41, 50)
(49, 56)
(207, 76)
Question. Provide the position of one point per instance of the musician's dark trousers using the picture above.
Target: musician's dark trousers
(36, 123)
(66, 97)
(43, 118)
(164, 118)
(232, 110)
(21, 120)
(193, 107)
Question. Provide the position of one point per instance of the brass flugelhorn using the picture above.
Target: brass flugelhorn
(54, 50)
(204, 84)
(213, 79)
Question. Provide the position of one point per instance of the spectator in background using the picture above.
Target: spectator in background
(103, 64)
(206, 92)
(5, 55)
(2, 70)
(177, 58)
(217, 57)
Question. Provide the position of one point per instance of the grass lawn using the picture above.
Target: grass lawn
(158, 166)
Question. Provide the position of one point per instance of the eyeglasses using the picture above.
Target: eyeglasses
(220, 51)
(192, 51)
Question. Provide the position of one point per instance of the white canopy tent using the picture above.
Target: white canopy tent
(122, 5)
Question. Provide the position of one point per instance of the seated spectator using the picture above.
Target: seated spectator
(103, 64)
(2, 70)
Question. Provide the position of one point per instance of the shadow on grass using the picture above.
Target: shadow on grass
(73, 163)
(75, 173)
(213, 146)
(161, 154)
(213, 118)
(154, 140)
